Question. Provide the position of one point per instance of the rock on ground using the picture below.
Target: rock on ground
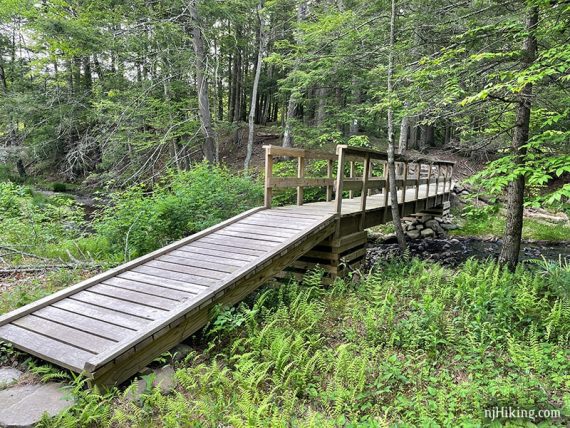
(8, 376)
(24, 406)
(163, 379)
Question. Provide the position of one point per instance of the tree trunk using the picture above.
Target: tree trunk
(391, 164)
(354, 125)
(403, 144)
(292, 103)
(287, 137)
(209, 145)
(262, 43)
(510, 249)
(3, 81)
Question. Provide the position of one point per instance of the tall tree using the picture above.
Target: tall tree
(391, 161)
(515, 203)
(259, 64)
(209, 146)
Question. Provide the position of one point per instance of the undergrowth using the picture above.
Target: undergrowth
(490, 221)
(412, 344)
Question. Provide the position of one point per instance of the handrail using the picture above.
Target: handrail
(300, 181)
(421, 170)
(412, 172)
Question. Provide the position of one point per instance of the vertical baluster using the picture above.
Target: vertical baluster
(350, 192)
(418, 177)
(364, 193)
(268, 178)
(386, 191)
(437, 181)
(329, 176)
(300, 176)
(339, 180)
(404, 178)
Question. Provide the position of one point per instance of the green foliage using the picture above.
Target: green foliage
(138, 221)
(489, 220)
(31, 222)
(413, 344)
(21, 294)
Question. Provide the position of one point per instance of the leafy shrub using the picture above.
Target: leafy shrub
(32, 223)
(137, 221)
(59, 187)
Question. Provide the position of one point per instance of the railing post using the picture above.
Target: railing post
(339, 179)
(351, 175)
(300, 175)
(364, 192)
(437, 181)
(386, 190)
(329, 175)
(450, 182)
(268, 197)
(405, 179)
(418, 177)
(430, 167)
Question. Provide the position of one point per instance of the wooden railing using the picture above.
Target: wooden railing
(367, 173)
(299, 181)
(410, 173)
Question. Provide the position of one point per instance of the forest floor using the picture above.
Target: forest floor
(411, 343)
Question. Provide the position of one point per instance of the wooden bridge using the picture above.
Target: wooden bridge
(112, 325)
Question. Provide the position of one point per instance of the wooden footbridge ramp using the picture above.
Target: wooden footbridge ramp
(112, 325)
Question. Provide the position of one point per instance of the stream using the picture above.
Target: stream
(454, 251)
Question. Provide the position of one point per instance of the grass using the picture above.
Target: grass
(411, 344)
(494, 225)
(15, 293)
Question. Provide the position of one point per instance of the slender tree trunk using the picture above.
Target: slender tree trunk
(287, 134)
(356, 99)
(260, 52)
(292, 103)
(3, 81)
(403, 144)
(510, 249)
(391, 163)
(209, 145)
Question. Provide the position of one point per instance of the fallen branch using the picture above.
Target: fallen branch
(41, 268)
(22, 253)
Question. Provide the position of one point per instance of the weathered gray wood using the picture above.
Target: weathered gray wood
(261, 230)
(177, 276)
(45, 348)
(76, 338)
(46, 301)
(117, 305)
(163, 282)
(284, 182)
(133, 297)
(260, 246)
(268, 177)
(282, 224)
(295, 153)
(152, 290)
(306, 212)
(273, 219)
(190, 270)
(229, 250)
(89, 325)
(98, 313)
(302, 242)
(250, 235)
(224, 256)
(216, 264)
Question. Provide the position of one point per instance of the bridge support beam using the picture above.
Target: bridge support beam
(335, 256)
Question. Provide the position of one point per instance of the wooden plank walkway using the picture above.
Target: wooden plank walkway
(112, 325)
